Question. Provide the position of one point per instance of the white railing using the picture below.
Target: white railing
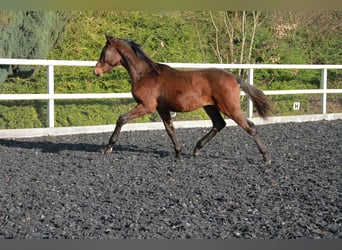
(51, 96)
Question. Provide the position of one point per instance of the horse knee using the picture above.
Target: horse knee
(220, 125)
(123, 119)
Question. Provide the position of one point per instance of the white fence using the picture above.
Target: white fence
(50, 96)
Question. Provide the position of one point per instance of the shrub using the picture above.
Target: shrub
(28, 34)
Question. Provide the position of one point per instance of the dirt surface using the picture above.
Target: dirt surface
(62, 187)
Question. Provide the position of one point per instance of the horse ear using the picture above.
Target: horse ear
(109, 38)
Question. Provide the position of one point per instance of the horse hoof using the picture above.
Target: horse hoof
(196, 152)
(268, 162)
(107, 150)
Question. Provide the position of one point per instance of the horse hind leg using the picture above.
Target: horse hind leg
(249, 127)
(218, 124)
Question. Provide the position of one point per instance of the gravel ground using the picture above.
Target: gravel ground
(62, 187)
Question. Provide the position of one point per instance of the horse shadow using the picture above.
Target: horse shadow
(57, 147)
(48, 146)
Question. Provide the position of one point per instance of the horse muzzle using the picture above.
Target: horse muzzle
(98, 72)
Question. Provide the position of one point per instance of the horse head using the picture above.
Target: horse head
(109, 58)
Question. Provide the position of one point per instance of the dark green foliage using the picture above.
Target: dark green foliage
(29, 34)
(165, 36)
(23, 114)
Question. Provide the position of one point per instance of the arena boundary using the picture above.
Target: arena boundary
(57, 131)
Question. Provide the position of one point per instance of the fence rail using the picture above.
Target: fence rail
(50, 96)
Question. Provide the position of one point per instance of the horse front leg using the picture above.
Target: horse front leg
(137, 111)
(218, 124)
(166, 117)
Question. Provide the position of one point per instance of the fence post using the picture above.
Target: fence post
(324, 83)
(250, 103)
(51, 91)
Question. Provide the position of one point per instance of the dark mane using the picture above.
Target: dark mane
(142, 55)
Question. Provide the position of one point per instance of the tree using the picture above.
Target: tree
(28, 34)
(234, 35)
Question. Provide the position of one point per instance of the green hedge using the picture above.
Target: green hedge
(167, 37)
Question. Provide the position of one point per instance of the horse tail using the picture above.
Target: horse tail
(262, 103)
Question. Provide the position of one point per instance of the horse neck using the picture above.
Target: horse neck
(135, 66)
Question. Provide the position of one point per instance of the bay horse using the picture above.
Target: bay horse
(158, 87)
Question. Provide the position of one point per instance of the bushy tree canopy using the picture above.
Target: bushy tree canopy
(28, 34)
